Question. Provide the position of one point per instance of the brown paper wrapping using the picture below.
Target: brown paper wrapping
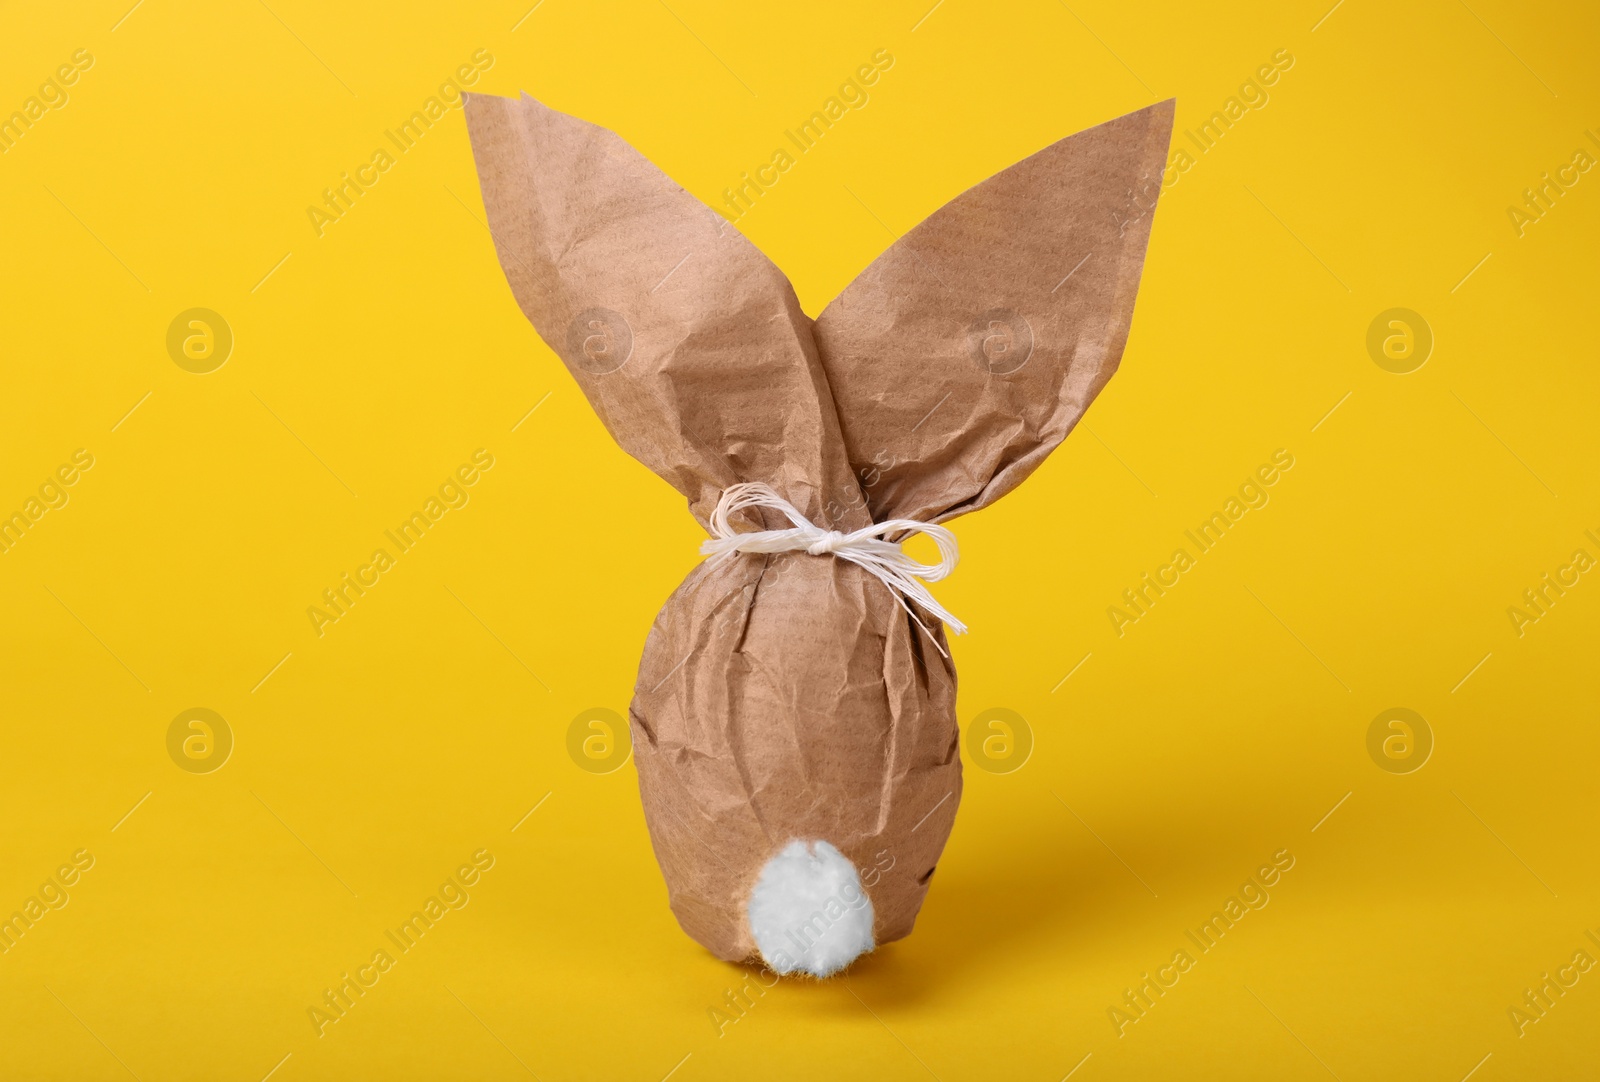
(790, 696)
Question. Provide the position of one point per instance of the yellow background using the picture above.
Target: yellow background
(371, 762)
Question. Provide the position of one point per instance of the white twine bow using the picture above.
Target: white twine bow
(865, 547)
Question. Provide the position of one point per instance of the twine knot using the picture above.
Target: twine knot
(866, 548)
(827, 543)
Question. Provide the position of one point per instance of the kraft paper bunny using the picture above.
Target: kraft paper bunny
(794, 718)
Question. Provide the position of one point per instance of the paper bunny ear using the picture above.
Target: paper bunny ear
(687, 341)
(967, 351)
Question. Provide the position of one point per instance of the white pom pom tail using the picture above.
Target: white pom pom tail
(808, 912)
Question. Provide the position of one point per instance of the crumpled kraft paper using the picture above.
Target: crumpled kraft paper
(791, 696)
